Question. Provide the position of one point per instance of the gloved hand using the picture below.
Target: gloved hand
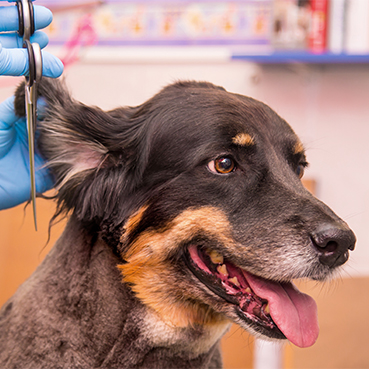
(13, 58)
(14, 162)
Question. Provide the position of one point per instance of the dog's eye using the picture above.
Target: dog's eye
(222, 165)
(300, 171)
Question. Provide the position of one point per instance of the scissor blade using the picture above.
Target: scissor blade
(30, 112)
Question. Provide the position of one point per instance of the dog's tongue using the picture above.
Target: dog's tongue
(294, 312)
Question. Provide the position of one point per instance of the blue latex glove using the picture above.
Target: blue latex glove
(14, 162)
(13, 58)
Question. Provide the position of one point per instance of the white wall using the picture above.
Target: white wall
(327, 106)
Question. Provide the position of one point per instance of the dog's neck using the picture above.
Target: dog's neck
(77, 296)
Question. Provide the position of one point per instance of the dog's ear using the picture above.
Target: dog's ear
(90, 152)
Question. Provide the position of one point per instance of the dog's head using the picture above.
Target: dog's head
(199, 191)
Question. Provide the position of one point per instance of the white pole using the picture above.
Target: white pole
(268, 354)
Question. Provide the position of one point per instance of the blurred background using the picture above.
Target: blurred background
(309, 60)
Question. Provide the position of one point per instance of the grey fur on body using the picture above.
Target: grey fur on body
(75, 312)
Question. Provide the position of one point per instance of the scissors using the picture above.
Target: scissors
(26, 29)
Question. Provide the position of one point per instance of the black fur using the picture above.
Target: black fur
(135, 161)
(144, 152)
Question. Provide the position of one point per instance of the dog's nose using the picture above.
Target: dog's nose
(333, 243)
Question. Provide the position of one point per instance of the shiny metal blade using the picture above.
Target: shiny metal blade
(30, 108)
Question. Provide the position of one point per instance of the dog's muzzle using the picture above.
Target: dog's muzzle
(274, 309)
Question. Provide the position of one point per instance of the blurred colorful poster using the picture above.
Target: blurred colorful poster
(151, 22)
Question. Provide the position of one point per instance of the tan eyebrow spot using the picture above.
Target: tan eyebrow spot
(243, 139)
(298, 148)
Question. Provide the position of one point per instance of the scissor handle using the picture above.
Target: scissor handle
(38, 61)
(26, 19)
(32, 63)
(35, 62)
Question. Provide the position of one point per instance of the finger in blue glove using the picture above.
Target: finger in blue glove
(14, 62)
(9, 18)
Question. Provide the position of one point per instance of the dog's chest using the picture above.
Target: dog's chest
(192, 341)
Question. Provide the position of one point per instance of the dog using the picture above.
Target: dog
(186, 213)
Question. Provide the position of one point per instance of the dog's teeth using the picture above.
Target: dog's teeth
(248, 290)
(267, 309)
(215, 257)
(257, 311)
(234, 280)
(222, 269)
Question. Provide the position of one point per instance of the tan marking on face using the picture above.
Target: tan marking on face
(132, 223)
(298, 148)
(243, 139)
(154, 278)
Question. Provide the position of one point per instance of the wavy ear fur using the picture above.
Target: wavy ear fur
(91, 153)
